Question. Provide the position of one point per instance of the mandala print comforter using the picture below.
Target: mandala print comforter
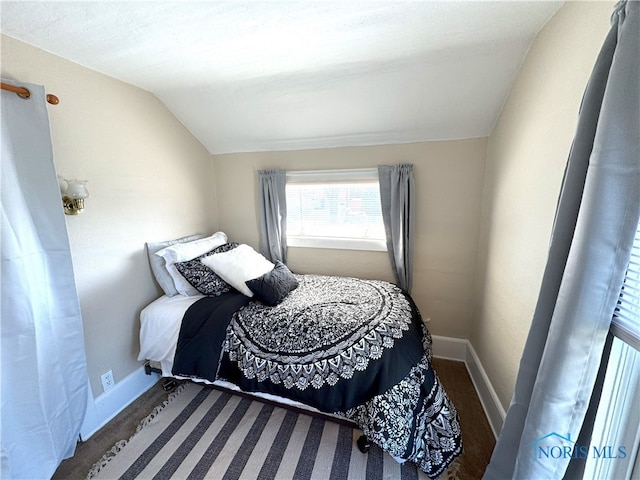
(353, 347)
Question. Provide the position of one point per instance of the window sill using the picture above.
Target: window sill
(337, 243)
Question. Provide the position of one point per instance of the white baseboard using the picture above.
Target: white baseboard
(106, 406)
(450, 348)
(487, 394)
(462, 350)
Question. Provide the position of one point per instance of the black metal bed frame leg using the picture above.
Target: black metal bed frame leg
(148, 369)
(168, 384)
(363, 444)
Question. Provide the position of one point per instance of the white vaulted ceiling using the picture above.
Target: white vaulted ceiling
(277, 75)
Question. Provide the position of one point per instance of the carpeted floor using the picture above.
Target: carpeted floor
(477, 436)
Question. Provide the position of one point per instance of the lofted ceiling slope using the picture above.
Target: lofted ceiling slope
(278, 75)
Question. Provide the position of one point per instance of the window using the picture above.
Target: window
(617, 421)
(335, 209)
(616, 430)
(626, 320)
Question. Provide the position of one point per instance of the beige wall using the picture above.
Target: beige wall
(526, 155)
(149, 179)
(449, 178)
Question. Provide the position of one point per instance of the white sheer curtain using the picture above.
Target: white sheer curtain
(594, 228)
(44, 378)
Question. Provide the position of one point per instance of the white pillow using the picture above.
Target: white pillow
(239, 265)
(181, 252)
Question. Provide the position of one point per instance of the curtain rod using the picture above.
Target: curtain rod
(25, 93)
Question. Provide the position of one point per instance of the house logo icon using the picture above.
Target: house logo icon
(553, 445)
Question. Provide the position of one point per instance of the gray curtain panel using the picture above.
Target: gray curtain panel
(397, 197)
(273, 214)
(596, 219)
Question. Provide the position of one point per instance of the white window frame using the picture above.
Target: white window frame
(617, 422)
(334, 176)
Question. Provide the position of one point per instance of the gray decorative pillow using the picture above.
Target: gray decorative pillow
(157, 263)
(203, 279)
(274, 286)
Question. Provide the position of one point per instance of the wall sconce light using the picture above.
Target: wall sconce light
(73, 196)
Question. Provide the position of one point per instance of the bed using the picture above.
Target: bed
(353, 348)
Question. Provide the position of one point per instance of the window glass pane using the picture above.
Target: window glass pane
(337, 210)
(614, 444)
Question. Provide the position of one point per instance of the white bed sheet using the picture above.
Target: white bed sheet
(159, 328)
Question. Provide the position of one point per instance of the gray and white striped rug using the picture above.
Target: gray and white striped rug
(205, 433)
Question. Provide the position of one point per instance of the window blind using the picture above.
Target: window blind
(335, 209)
(626, 319)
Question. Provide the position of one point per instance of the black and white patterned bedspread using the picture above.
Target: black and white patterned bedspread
(353, 347)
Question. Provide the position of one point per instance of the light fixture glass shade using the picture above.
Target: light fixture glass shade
(77, 189)
(73, 196)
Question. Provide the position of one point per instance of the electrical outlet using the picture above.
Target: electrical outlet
(107, 381)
